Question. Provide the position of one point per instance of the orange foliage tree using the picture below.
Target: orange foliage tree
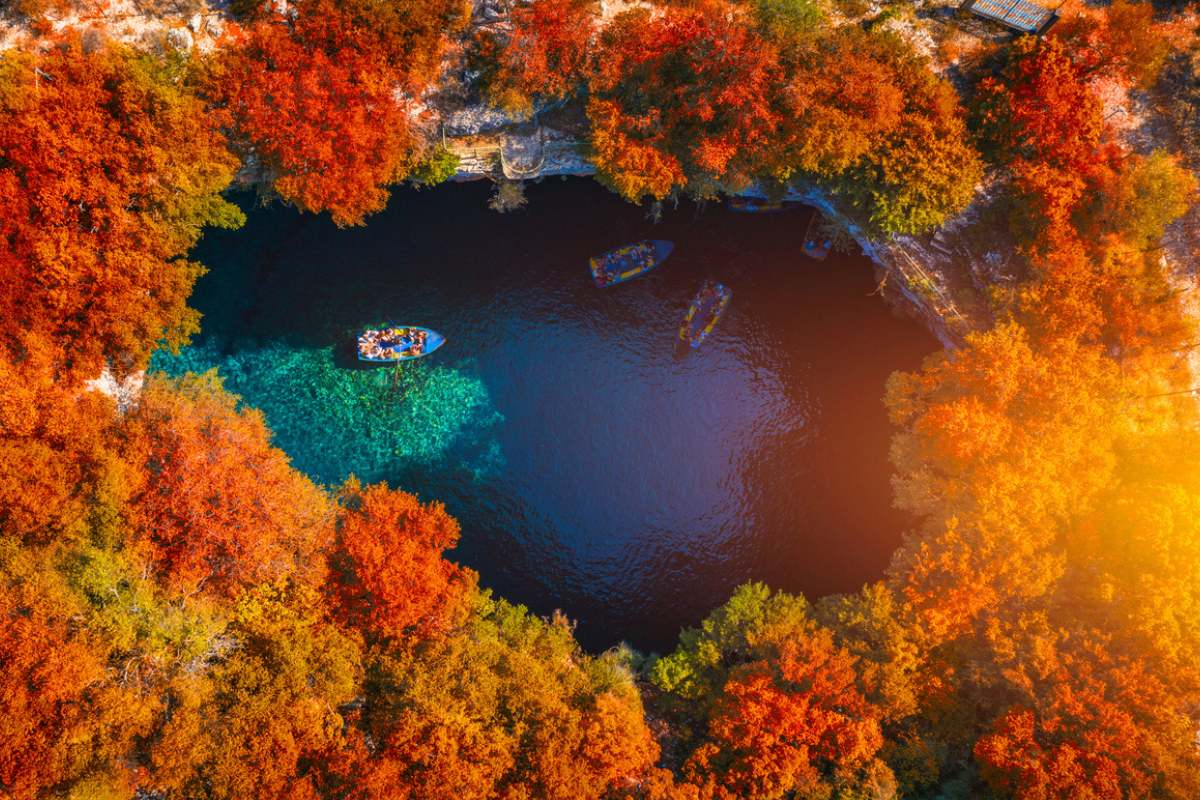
(390, 577)
(544, 56)
(219, 508)
(507, 706)
(1085, 212)
(322, 97)
(863, 114)
(997, 421)
(1121, 41)
(776, 706)
(666, 115)
(1134, 559)
(840, 104)
(789, 724)
(1052, 487)
(46, 668)
(1042, 120)
(264, 716)
(1097, 725)
(52, 440)
(1110, 293)
(109, 169)
(1137, 201)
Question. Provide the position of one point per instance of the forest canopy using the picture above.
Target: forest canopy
(183, 614)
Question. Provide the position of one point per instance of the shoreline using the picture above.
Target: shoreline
(943, 278)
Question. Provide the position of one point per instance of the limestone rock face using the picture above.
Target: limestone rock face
(215, 26)
(180, 39)
(124, 390)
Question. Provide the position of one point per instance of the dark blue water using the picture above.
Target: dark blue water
(592, 470)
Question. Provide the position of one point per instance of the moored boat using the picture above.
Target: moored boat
(628, 262)
(390, 344)
(755, 205)
(705, 311)
(816, 244)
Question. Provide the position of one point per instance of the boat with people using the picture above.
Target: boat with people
(816, 244)
(628, 262)
(759, 205)
(391, 344)
(702, 315)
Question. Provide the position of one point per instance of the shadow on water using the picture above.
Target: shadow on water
(594, 468)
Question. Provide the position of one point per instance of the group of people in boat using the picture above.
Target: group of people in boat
(704, 312)
(392, 343)
(615, 262)
(708, 297)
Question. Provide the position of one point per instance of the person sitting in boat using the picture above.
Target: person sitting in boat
(367, 345)
(646, 254)
(602, 272)
(416, 344)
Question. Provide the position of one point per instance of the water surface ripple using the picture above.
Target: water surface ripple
(592, 470)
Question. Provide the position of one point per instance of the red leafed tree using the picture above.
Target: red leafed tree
(109, 169)
(791, 724)
(219, 507)
(1098, 726)
(1121, 40)
(682, 99)
(321, 113)
(1043, 121)
(391, 577)
(320, 97)
(1041, 108)
(51, 438)
(544, 55)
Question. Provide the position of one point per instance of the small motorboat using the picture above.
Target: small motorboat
(755, 205)
(391, 344)
(628, 262)
(704, 312)
(816, 245)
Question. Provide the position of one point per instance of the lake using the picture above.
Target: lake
(592, 469)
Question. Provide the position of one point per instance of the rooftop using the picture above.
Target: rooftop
(1020, 15)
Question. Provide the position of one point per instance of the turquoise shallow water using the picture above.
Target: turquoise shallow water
(334, 421)
(592, 468)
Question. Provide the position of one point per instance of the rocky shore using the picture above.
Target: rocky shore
(938, 277)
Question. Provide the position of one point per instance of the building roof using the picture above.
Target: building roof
(1020, 15)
